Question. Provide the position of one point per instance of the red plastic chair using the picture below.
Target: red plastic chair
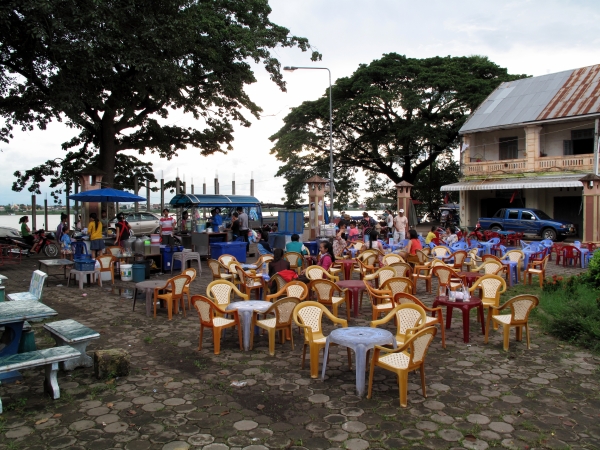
(558, 249)
(571, 253)
(591, 246)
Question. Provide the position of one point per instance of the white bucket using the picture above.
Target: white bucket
(126, 272)
(154, 238)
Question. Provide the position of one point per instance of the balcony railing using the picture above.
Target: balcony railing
(576, 163)
(490, 167)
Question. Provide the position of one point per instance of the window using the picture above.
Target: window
(513, 214)
(581, 143)
(526, 215)
(499, 214)
(509, 148)
(148, 217)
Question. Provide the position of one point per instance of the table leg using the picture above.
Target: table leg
(246, 319)
(480, 312)
(325, 356)
(347, 271)
(354, 299)
(15, 330)
(360, 356)
(149, 299)
(465, 313)
(449, 316)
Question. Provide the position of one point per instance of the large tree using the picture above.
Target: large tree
(113, 70)
(393, 117)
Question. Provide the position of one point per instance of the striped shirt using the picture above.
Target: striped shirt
(166, 226)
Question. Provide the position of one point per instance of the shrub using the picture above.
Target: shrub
(570, 310)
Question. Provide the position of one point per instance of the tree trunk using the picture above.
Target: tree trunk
(108, 155)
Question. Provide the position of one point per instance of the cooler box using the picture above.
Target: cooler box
(167, 255)
(278, 240)
(313, 247)
(237, 249)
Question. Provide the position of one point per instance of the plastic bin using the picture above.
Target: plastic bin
(237, 249)
(86, 265)
(138, 272)
(126, 272)
(313, 247)
(278, 240)
(167, 255)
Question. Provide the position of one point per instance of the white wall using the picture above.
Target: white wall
(486, 145)
(552, 136)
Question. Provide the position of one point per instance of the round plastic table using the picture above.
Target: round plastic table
(469, 277)
(148, 286)
(347, 265)
(465, 307)
(246, 310)
(361, 340)
(355, 287)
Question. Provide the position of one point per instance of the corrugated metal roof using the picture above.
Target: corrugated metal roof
(207, 201)
(516, 183)
(553, 96)
(579, 95)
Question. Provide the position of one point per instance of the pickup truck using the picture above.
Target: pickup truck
(528, 221)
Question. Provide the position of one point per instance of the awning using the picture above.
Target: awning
(516, 183)
(210, 201)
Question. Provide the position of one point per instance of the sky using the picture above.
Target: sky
(532, 37)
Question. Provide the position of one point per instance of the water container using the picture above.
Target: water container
(139, 272)
(138, 246)
(155, 238)
(126, 272)
(2, 293)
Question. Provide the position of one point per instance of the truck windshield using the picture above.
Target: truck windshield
(541, 214)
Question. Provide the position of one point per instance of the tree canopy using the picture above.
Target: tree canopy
(391, 118)
(113, 70)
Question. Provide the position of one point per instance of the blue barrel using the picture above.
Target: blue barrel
(167, 255)
(139, 272)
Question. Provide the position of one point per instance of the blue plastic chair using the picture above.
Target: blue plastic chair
(79, 249)
(547, 243)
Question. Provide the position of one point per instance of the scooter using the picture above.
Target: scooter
(476, 233)
(45, 244)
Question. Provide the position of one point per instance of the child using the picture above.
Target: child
(65, 244)
(352, 232)
(431, 235)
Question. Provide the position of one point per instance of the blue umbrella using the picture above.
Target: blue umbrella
(106, 195)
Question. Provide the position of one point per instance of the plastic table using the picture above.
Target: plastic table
(245, 310)
(361, 340)
(347, 265)
(12, 316)
(149, 287)
(513, 277)
(355, 287)
(83, 275)
(469, 277)
(465, 307)
(55, 263)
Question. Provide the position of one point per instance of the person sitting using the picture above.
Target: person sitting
(264, 242)
(296, 246)
(409, 253)
(375, 244)
(326, 256)
(450, 237)
(431, 235)
(339, 243)
(353, 232)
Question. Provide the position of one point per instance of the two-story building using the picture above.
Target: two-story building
(529, 144)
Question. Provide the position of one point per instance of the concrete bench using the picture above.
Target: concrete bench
(49, 358)
(72, 333)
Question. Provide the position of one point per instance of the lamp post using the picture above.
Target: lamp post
(331, 188)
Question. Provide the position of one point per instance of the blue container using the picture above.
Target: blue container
(278, 240)
(313, 247)
(290, 222)
(237, 249)
(167, 255)
(2, 293)
(139, 273)
(85, 265)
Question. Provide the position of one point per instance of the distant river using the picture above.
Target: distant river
(13, 221)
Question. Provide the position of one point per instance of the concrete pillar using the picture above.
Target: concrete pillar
(591, 208)
(316, 203)
(90, 179)
(532, 145)
(403, 190)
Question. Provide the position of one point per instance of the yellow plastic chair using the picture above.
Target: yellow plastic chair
(221, 292)
(282, 322)
(381, 275)
(248, 281)
(536, 268)
(440, 252)
(447, 277)
(437, 316)
(402, 269)
(296, 289)
(318, 273)
(382, 301)
(211, 316)
(295, 259)
(325, 289)
(308, 316)
(520, 308)
(392, 258)
(424, 272)
(475, 260)
(459, 259)
(172, 294)
(409, 318)
(490, 288)
(401, 361)
(219, 271)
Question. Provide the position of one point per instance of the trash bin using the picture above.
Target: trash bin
(237, 249)
(139, 272)
(167, 255)
(126, 274)
(313, 247)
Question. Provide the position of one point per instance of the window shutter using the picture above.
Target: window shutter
(567, 147)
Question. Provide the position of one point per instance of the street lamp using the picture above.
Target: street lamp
(331, 188)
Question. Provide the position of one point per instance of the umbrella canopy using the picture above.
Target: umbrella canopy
(106, 195)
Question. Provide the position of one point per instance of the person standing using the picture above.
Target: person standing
(243, 218)
(95, 233)
(104, 220)
(167, 225)
(123, 230)
(389, 222)
(62, 227)
(400, 226)
(235, 225)
(368, 224)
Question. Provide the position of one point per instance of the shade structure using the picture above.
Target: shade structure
(570, 180)
(106, 195)
(211, 201)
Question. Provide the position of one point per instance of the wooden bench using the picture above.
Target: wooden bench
(49, 358)
(71, 333)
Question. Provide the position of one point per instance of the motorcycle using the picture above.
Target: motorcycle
(476, 233)
(44, 243)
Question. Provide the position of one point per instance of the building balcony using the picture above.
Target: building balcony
(570, 163)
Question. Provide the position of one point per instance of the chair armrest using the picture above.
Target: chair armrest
(391, 350)
(370, 277)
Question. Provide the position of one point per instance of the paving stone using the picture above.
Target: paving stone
(478, 444)
(354, 427)
(427, 426)
(412, 434)
(201, 439)
(501, 427)
(82, 425)
(18, 432)
(336, 435)
(478, 419)
(450, 435)
(318, 398)
(356, 444)
(245, 425)
(176, 445)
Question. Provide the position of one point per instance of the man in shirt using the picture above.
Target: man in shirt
(167, 225)
(243, 219)
(389, 222)
(367, 224)
(400, 226)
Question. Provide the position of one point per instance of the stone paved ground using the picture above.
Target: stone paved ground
(177, 398)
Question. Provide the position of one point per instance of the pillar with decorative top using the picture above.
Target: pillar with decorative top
(316, 204)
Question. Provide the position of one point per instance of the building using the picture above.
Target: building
(529, 144)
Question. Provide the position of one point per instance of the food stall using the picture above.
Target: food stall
(196, 235)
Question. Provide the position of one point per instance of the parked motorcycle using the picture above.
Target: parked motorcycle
(476, 233)
(42, 242)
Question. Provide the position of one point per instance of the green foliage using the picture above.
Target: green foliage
(114, 71)
(570, 310)
(592, 276)
(393, 117)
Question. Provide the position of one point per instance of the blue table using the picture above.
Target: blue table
(487, 246)
(514, 275)
(12, 316)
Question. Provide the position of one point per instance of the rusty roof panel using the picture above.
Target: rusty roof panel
(579, 95)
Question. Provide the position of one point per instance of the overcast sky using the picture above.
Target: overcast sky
(534, 37)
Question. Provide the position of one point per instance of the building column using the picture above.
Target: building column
(403, 190)
(532, 146)
(591, 208)
(316, 203)
(466, 146)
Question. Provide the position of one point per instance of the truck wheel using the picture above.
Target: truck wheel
(496, 228)
(549, 233)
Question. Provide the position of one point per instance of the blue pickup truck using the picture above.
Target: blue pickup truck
(528, 221)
